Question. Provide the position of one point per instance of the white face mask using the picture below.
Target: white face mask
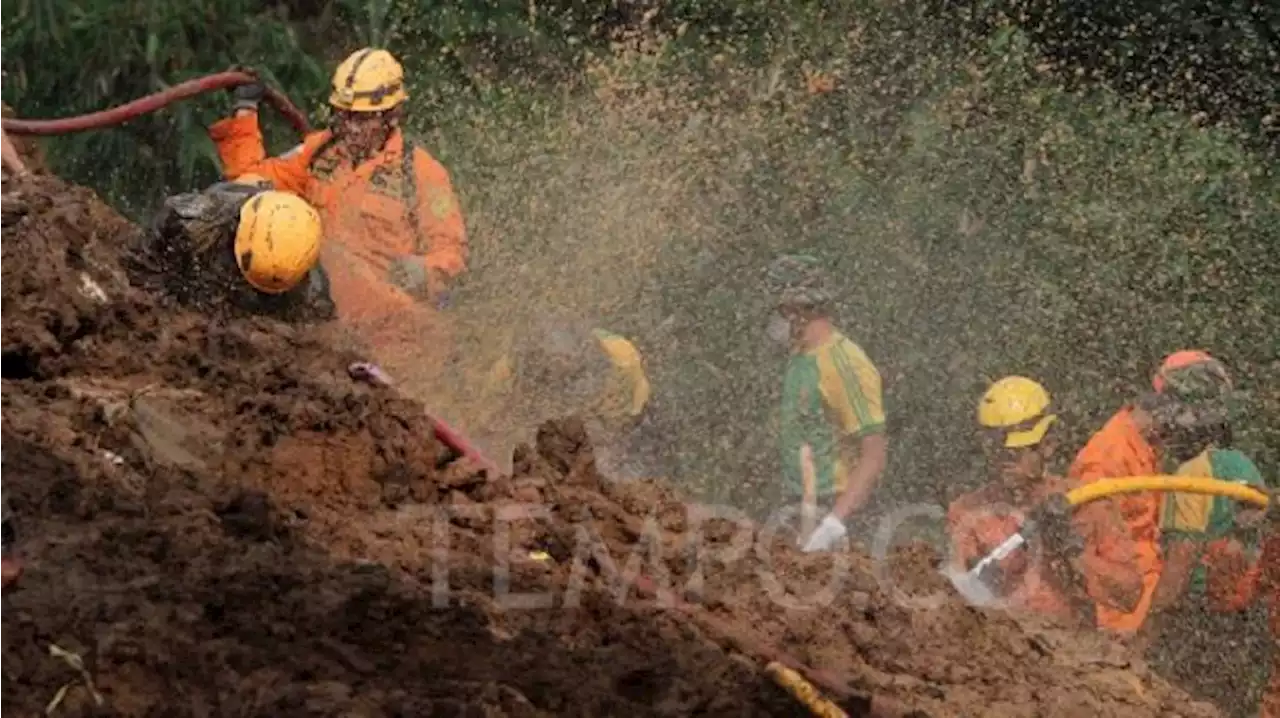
(779, 329)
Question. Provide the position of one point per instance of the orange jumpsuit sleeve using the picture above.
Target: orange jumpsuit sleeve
(1121, 533)
(1139, 511)
(241, 149)
(1114, 577)
(439, 216)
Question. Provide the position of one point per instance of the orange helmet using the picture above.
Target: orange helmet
(1175, 361)
(1193, 376)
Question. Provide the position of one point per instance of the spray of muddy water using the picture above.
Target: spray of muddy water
(978, 222)
(982, 220)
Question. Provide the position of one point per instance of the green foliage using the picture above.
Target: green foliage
(986, 220)
(1006, 226)
(70, 58)
(1217, 60)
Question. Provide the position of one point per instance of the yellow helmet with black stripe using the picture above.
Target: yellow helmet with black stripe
(277, 241)
(369, 80)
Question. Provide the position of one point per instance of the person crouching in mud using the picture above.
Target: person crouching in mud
(239, 248)
(1060, 574)
(563, 365)
(234, 249)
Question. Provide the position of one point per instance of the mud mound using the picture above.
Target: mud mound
(217, 521)
(26, 147)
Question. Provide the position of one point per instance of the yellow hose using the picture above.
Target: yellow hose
(804, 692)
(1103, 488)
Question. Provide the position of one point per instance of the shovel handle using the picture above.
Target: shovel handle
(1006, 547)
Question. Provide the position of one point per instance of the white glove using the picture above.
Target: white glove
(829, 532)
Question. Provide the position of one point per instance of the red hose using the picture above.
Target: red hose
(453, 439)
(450, 437)
(153, 102)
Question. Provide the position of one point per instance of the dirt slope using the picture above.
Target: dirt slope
(220, 523)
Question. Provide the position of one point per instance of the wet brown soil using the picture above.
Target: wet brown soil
(216, 521)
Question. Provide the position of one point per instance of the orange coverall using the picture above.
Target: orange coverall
(369, 221)
(977, 526)
(1119, 450)
(364, 207)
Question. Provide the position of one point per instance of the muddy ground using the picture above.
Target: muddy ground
(218, 522)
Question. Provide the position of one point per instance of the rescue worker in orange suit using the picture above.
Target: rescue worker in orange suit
(394, 233)
(1128, 445)
(1062, 568)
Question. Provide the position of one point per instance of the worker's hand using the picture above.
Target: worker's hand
(412, 276)
(994, 576)
(370, 373)
(1227, 565)
(409, 274)
(246, 69)
(1270, 522)
(1056, 505)
(247, 97)
(1273, 508)
(1250, 518)
(829, 532)
(443, 299)
(1051, 521)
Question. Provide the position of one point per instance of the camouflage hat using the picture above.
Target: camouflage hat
(798, 280)
(1191, 389)
(1205, 385)
(1200, 379)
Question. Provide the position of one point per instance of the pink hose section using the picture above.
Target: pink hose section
(450, 437)
(156, 101)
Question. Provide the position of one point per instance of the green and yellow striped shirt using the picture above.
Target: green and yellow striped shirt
(828, 393)
(1204, 519)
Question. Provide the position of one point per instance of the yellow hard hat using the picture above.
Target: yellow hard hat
(278, 241)
(1019, 406)
(368, 80)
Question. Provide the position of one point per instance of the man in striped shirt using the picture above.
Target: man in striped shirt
(833, 439)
